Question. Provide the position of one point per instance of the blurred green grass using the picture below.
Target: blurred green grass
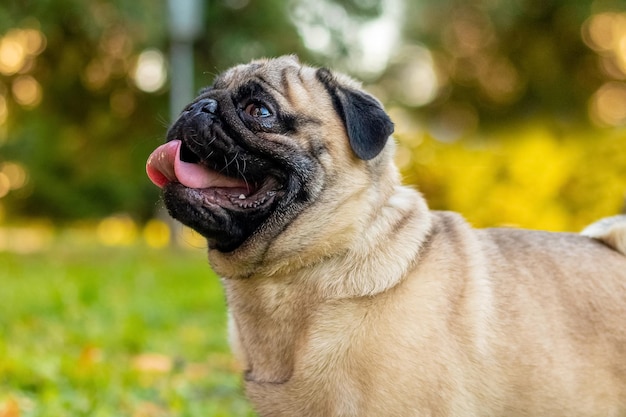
(101, 331)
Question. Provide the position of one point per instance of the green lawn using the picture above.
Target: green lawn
(97, 331)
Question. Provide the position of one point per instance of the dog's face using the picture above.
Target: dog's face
(261, 145)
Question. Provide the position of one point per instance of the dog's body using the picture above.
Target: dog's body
(483, 323)
(348, 297)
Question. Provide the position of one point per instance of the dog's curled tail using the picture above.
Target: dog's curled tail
(611, 231)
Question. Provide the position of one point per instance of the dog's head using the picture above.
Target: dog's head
(262, 144)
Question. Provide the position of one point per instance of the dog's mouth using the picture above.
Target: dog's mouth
(226, 203)
(221, 179)
(175, 163)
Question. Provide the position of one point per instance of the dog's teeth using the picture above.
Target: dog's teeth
(243, 201)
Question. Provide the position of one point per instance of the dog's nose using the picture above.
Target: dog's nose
(206, 105)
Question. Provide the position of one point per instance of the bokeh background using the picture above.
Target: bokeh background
(512, 112)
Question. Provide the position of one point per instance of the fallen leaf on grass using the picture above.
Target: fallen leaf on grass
(89, 356)
(153, 363)
(148, 409)
(10, 408)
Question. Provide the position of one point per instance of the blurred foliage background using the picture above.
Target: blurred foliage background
(511, 111)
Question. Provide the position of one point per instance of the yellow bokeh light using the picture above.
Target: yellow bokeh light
(27, 91)
(117, 43)
(156, 233)
(117, 231)
(15, 173)
(5, 185)
(34, 41)
(122, 103)
(12, 55)
(17, 46)
(500, 80)
(4, 109)
(150, 73)
(606, 34)
(599, 31)
(35, 238)
(607, 106)
(97, 73)
(621, 54)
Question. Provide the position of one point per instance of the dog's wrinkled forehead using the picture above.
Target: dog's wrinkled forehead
(272, 71)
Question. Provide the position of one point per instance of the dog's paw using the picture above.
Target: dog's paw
(610, 230)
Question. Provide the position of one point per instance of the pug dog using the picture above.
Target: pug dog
(347, 296)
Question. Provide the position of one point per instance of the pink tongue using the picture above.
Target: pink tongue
(164, 166)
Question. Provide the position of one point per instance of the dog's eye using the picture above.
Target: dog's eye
(258, 110)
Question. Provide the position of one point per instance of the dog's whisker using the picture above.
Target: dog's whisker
(229, 163)
(243, 173)
(226, 163)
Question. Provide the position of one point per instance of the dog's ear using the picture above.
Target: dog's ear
(366, 122)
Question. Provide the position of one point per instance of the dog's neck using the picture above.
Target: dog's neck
(380, 253)
(271, 311)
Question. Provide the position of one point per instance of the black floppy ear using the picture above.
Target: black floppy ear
(366, 122)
